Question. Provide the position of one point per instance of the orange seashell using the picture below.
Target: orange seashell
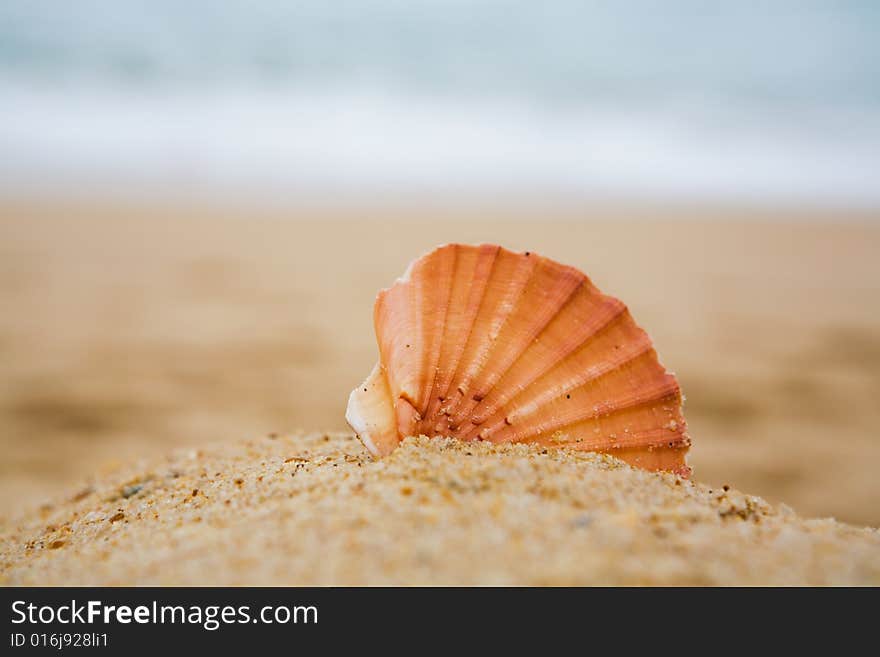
(481, 343)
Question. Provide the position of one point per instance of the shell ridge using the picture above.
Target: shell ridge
(434, 368)
(491, 403)
(576, 386)
(654, 438)
(536, 396)
(568, 281)
(433, 294)
(660, 392)
(521, 270)
(399, 337)
(473, 402)
(383, 314)
(461, 285)
(475, 300)
(460, 408)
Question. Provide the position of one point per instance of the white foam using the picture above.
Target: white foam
(291, 143)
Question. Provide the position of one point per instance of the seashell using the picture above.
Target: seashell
(481, 343)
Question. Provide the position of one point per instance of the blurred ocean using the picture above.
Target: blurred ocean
(756, 100)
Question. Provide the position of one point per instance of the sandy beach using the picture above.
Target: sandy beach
(199, 204)
(132, 329)
(317, 509)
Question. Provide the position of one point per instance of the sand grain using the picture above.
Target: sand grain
(317, 509)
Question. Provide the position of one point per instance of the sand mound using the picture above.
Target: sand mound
(317, 509)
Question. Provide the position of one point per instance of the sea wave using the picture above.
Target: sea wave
(746, 100)
(367, 142)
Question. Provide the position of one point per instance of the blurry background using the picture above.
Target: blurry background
(199, 200)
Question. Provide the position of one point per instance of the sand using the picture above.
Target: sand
(129, 329)
(318, 509)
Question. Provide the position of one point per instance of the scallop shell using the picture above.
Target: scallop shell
(481, 343)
